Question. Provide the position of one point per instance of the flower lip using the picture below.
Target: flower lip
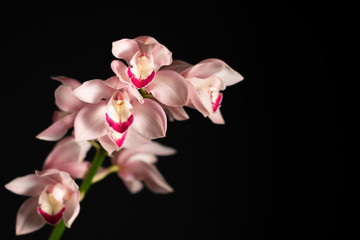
(122, 126)
(119, 113)
(216, 98)
(139, 82)
(51, 219)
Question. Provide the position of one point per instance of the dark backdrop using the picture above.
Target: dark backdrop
(269, 172)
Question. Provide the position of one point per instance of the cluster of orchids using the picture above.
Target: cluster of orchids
(119, 117)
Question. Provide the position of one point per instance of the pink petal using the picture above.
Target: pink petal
(161, 56)
(72, 209)
(169, 88)
(228, 75)
(200, 100)
(149, 148)
(203, 70)
(108, 143)
(28, 185)
(146, 43)
(67, 150)
(175, 113)
(93, 91)
(178, 66)
(66, 101)
(133, 139)
(58, 129)
(120, 69)
(134, 186)
(73, 83)
(149, 119)
(207, 84)
(216, 117)
(75, 169)
(125, 49)
(28, 220)
(150, 175)
(90, 122)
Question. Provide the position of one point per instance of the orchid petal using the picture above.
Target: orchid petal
(207, 84)
(93, 91)
(203, 70)
(120, 69)
(150, 175)
(151, 148)
(72, 208)
(178, 66)
(28, 185)
(169, 88)
(66, 101)
(71, 82)
(134, 186)
(58, 129)
(200, 100)
(90, 122)
(28, 220)
(108, 143)
(228, 75)
(149, 119)
(146, 43)
(134, 139)
(216, 117)
(161, 55)
(125, 49)
(66, 151)
(175, 113)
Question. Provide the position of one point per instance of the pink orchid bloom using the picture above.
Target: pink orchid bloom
(205, 80)
(116, 112)
(138, 164)
(68, 105)
(68, 155)
(168, 87)
(144, 55)
(54, 195)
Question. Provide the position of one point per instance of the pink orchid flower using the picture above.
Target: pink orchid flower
(68, 105)
(144, 55)
(168, 88)
(54, 195)
(116, 112)
(206, 80)
(68, 156)
(138, 164)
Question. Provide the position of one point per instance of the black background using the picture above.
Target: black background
(271, 171)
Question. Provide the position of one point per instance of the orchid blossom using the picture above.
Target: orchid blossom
(144, 55)
(114, 109)
(53, 194)
(134, 165)
(206, 80)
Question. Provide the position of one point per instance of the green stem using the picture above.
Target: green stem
(145, 94)
(96, 164)
(84, 187)
(58, 230)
